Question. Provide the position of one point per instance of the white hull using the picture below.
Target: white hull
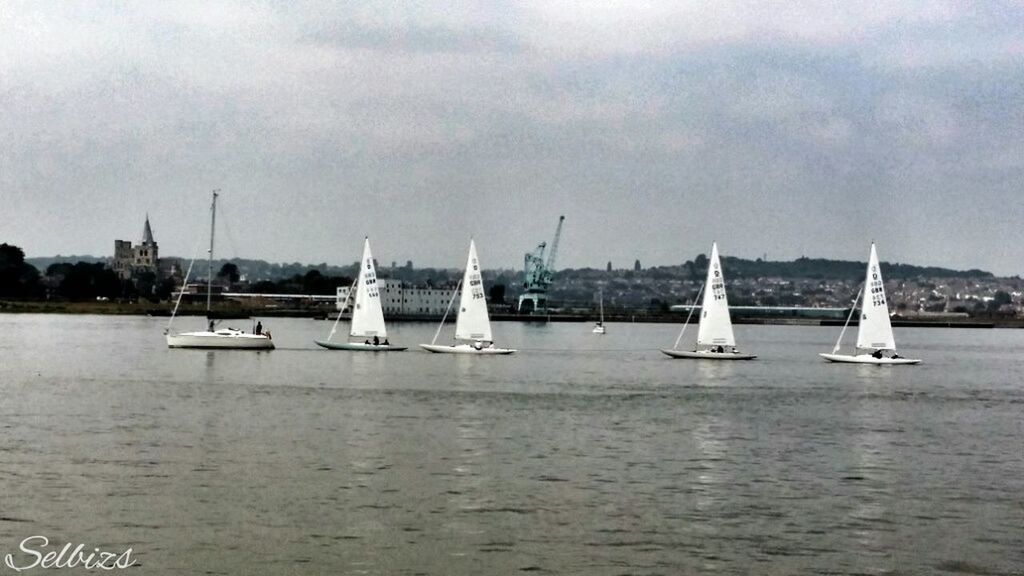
(599, 330)
(464, 349)
(225, 339)
(867, 359)
(360, 346)
(709, 355)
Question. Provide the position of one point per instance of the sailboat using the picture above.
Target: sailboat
(599, 328)
(874, 331)
(228, 338)
(715, 340)
(367, 313)
(472, 323)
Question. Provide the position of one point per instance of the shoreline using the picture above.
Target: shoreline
(327, 313)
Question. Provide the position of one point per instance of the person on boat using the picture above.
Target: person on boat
(734, 350)
(877, 354)
(211, 325)
(720, 350)
(259, 328)
(478, 345)
(386, 343)
(376, 341)
(896, 356)
(367, 342)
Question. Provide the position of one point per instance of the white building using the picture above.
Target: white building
(397, 298)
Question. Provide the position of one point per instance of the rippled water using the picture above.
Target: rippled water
(582, 454)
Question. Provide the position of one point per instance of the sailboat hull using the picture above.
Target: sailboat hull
(223, 339)
(598, 330)
(465, 349)
(360, 346)
(708, 355)
(867, 359)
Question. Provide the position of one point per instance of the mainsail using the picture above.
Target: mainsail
(875, 330)
(367, 315)
(715, 325)
(473, 322)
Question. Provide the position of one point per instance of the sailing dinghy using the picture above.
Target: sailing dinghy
(599, 328)
(367, 313)
(874, 331)
(224, 338)
(472, 323)
(715, 340)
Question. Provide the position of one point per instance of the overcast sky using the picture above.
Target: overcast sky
(784, 128)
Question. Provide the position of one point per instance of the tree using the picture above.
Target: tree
(230, 271)
(17, 278)
(497, 294)
(85, 281)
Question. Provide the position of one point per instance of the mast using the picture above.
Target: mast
(209, 267)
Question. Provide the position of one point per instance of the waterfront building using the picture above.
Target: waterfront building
(400, 298)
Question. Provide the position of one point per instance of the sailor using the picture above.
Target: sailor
(376, 341)
(478, 345)
(386, 343)
(259, 327)
(876, 354)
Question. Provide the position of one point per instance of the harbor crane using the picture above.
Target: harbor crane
(539, 275)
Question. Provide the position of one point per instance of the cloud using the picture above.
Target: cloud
(773, 123)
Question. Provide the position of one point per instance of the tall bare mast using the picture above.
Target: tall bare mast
(209, 273)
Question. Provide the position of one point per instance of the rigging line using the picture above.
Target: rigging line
(348, 296)
(688, 316)
(184, 283)
(446, 310)
(853, 308)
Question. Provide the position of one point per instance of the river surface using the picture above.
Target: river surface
(582, 454)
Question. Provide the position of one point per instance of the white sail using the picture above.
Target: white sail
(367, 315)
(875, 331)
(473, 322)
(715, 325)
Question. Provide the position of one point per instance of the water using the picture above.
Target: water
(582, 454)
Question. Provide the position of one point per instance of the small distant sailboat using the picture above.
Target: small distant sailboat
(715, 340)
(874, 331)
(367, 313)
(472, 323)
(224, 338)
(599, 328)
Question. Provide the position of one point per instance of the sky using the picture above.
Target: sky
(784, 129)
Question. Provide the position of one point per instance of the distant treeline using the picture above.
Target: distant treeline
(83, 277)
(813, 268)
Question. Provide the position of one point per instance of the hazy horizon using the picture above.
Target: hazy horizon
(795, 129)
